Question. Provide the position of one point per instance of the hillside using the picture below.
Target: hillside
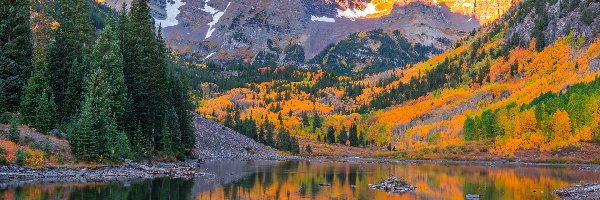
(529, 52)
(291, 32)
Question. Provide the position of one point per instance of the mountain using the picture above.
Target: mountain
(221, 30)
(527, 81)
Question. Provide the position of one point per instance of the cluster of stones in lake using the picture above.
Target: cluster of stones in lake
(393, 185)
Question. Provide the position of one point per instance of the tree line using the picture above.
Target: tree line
(115, 91)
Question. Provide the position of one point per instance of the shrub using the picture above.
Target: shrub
(34, 158)
(20, 155)
(308, 149)
(3, 160)
(13, 131)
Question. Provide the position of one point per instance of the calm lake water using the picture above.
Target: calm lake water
(301, 179)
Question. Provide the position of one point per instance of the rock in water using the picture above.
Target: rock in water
(393, 185)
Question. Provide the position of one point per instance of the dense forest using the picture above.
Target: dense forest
(106, 80)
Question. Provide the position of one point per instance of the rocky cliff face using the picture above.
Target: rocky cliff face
(223, 30)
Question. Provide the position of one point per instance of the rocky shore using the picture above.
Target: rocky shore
(13, 176)
(587, 191)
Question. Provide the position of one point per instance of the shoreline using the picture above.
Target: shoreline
(12, 176)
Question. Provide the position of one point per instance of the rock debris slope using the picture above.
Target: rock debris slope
(214, 140)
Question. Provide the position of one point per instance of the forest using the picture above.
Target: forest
(103, 80)
(461, 96)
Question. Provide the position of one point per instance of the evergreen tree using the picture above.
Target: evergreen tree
(46, 109)
(353, 136)
(308, 149)
(330, 135)
(73, 40)
(13, 131)
(317, 122)
(305, 121)
(362, 139)
(270, 133)
(107, 55)
(75, 86)
(343, 136)
(37, 85)
(119, 143)
(16, 50)
(145, 71)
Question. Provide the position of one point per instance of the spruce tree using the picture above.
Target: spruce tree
(73, 39)
(353, 136)
(145, 71)
(13, 131)
(75, 86)
(362, 139)
(16, 51)
(37, 85)
(107, 55)
(343, 136)
(46, 110)
(330, 135)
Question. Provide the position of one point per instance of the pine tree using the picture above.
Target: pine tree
(73, 40)
(13, 131)
(16, 50)
(317, 122)
(107, 55)
(353, 136)
(330, 135)
(75, 86)
(145, 71)
(362, 139)
(119, 143)
(46, 109)
(36, 86)
(343, 136)
(308, 149)
(305, 122)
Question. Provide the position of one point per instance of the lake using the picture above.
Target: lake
(349, 180)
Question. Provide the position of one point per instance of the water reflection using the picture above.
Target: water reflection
(327, 180)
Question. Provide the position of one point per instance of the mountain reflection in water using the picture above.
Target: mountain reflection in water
(303, 180)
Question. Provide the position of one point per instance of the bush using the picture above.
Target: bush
(13, 131)
(34, 159)
(20, 155)
(308, 149)
(587, 17)
(3, 160)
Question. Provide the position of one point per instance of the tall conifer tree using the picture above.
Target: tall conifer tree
(16, 50)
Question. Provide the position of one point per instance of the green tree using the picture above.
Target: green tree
(107, 55)
(73, 39)
(343, 136)
(353, 136)
(308, 149)
(46, 110)
(16, 50)
(469, 129)
(362, 139)
(145, 72)
(37, 86)
(75, 86)
(13, 131)
(305, 121)
(330, 135)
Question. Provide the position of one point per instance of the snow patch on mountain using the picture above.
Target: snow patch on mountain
(216, 17)
(321, 19)
(172, 12)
